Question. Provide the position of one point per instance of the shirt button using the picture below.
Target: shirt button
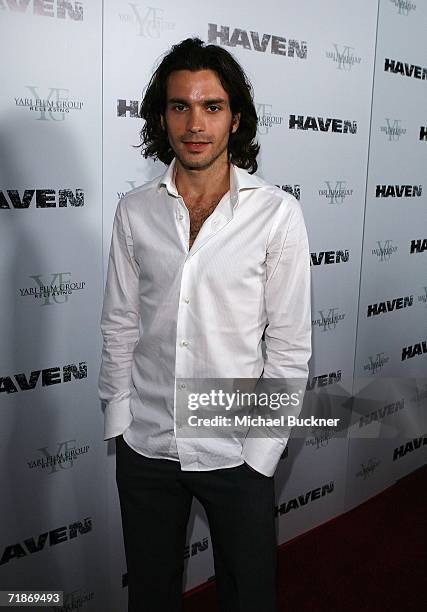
(180, 216)
(184, 343)
(182, 386)
(186, 300)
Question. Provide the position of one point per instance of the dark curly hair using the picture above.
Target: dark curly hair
(192, 54)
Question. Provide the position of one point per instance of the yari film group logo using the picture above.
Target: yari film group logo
(53, 104)
(335, 194)
(343, 56)
(385, 250)
(404, 7)
(266, 119)
(63, 457)
(328, 320)
(150, 21)
(57, 291)
(393, 129)
(376, 364)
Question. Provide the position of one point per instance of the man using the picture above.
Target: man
(204, 260)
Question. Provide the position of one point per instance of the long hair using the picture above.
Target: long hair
(192, 54)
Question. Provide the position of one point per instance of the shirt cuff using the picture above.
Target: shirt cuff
(263, 454)
(117, 417)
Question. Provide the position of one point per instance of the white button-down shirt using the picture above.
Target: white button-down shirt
(171, 312)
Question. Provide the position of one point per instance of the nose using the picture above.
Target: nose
(195, 121)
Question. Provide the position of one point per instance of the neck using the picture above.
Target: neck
(204, 184)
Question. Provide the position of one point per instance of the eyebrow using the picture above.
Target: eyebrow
(207, 101)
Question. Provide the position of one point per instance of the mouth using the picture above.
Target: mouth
(195, 146)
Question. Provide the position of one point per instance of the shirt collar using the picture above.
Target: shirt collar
(240, 180)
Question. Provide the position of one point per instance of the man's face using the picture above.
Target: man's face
(198, 118)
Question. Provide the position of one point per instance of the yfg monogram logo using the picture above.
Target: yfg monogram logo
(321, 440)
(367, 469)
(385, 250)
(404, 7)
(335, 194)
(56, 292)
(62, 458)
(45, 198)
(150, 21)
(131, 184)
(294, 190)
(278, 45)
(343, 56)
(328, 320)
(266, 119)
(393, 129)
(376, 363)
(46, 8)
(54, 106)
(74, 601)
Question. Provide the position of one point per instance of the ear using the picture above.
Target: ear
(235, 122)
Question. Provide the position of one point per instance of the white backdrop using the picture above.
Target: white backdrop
(340, 93)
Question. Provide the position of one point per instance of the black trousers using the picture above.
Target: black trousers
(155, 499)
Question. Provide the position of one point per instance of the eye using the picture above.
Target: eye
(179, 107)
(213, 108)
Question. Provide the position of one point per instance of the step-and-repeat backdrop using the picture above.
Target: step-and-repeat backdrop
(340, 90)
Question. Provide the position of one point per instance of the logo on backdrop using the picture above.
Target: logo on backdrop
(132, 185)
(384, 250)
(335, 193)
(254, 41)
(378, 415)
(194, 548)
(398, 191)
(390, 305)
(404, 7)
(323, 380)
(62, 457)
(57, 291)
(368, 468)
(376, 363)
(393, 129)
(294, 190)
(423, 297)
(418, 246)
(266, 118)
(74, 600)
(44, 198)
(414, 350)
(304, 499)
(343, 56)
(423, 132)
(405, 69)
(409, 447)
(329, 257)
(49, 538)
(52, 103)
(127, 108)
(321, 440)
(328, 319)
(62, 9)
(48, 377)
(319, 124)
(149, 21)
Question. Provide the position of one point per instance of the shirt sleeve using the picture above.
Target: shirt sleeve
(288, 333)
(120, 327)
